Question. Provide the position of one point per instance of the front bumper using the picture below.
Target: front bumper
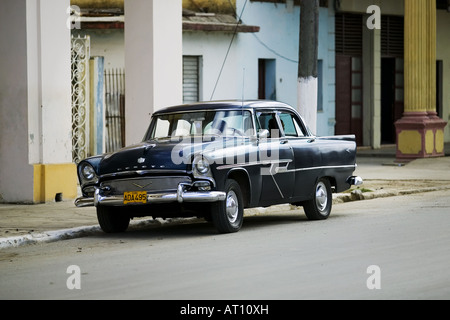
(180, 196)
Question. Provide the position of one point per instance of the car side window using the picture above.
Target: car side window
(291, 127)
(269, 122)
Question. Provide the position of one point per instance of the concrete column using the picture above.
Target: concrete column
(416, 63)
(372, 83)
(35, 105)
(153, 61)
(16, 173)
(420, 133)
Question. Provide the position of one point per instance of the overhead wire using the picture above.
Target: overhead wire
(262, 42)
(229, 47)
(256, 37)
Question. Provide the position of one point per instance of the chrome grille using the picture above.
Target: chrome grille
(150, 184)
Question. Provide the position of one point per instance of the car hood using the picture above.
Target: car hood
(167, 154)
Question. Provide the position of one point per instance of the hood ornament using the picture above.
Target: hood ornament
(142, 186)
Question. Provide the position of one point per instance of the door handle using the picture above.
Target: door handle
(283, 141)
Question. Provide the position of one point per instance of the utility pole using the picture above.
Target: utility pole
(307, 66)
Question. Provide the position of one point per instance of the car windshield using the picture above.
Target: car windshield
(202, 123)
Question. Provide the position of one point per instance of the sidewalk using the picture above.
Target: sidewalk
(28, 224)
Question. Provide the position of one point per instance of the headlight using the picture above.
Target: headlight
(202, 166)
(201, 170)
(87, 172)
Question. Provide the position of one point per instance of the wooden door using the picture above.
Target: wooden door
(349, 96)
(343, 94)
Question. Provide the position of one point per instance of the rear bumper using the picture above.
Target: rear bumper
(180, 196)
(355, 181)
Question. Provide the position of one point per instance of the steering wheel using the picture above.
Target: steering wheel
(236, 131)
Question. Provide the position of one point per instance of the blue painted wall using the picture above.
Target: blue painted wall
(279, 39)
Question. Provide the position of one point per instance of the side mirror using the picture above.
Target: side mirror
(263, 134)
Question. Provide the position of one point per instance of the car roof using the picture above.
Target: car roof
(225, 104)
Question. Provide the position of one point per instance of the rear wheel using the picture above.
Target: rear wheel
(112, 220)
(228, 215)
(319, 207)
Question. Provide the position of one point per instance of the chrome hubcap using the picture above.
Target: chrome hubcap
(321, 197)
(232, 206)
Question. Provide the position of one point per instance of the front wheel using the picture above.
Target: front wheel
(319, 207)
(228, 215)
(112, 220)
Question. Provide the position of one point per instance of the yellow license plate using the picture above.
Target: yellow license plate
(135, 197)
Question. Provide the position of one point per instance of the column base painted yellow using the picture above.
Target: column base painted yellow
(54, 181)
(419, 136)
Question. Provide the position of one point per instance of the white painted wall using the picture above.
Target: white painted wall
(213, 46)
(35, 92)
(33, 68)
(55, 75)
(280, 34)
(16, 175)
(153, 61)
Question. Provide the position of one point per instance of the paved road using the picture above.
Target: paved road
(273, 257)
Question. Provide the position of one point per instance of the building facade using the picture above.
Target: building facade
(372, 70)
(387, 83)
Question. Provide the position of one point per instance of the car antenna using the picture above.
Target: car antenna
(243, 94)
(243, 85)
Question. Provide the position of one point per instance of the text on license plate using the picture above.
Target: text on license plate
(135, 197)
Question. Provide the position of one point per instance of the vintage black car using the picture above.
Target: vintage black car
(215, 159)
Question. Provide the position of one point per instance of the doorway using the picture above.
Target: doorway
(392, 97)
(267, 88)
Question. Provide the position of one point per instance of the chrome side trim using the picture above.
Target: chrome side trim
(84, 202)
(282, 161)
(253, 163)
(325, 167)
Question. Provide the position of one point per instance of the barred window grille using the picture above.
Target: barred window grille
(80, 55)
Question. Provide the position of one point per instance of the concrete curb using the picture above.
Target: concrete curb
(49, 236)
(78, 232)
(357, 195)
